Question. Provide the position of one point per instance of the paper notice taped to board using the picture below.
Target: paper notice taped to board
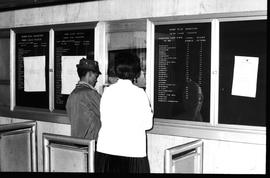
(245, 76)
(69, 76)
(34, 74)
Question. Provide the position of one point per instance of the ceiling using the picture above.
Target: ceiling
(6, 5)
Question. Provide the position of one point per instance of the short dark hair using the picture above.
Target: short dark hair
(85, 65)
(127, 65)
(82, 72)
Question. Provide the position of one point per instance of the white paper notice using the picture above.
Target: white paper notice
(69, 76)
(245, 76)
(34, 74)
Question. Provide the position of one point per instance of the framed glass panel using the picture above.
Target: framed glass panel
(70, 45)
(186, 158)
(125, 36)
(65, 158)
(182, 71)
(242, 73)
(4, 95)
(32, 69)
(63, 153)
(4, 57)
(4, 68)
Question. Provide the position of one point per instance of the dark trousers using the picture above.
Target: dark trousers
(105, 163)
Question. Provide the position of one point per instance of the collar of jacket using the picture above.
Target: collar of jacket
(84, 84)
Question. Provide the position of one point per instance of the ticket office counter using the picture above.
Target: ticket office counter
(186, 61)
(191, 68)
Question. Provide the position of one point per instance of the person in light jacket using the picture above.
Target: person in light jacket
(126, 115)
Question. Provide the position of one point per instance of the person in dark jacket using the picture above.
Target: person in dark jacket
(83, 103)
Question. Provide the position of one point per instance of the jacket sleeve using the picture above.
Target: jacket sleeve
(90, 112)
(147, 112)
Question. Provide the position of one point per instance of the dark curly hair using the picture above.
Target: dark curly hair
(127, 65)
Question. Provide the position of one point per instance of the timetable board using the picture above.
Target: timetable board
(69, 43)
(182, 65)
(245, 40)
(32, 76)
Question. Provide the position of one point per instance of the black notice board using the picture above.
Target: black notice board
(182, 54)
(242, 38)
(30, 45)
(70, 43)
